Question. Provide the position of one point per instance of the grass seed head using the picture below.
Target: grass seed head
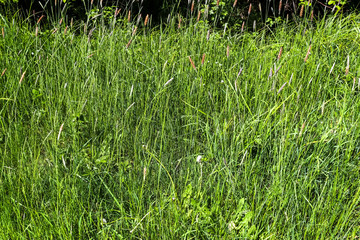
(146, 20)
(235, 2)
(249, 11)
(302, 11)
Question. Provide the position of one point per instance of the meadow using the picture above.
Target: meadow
(180, 131)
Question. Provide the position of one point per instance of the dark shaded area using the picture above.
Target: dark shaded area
(160, 9)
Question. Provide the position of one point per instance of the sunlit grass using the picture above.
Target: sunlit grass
(102, 129)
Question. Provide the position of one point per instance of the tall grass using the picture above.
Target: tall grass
(111, 133)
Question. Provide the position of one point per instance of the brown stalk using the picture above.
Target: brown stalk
(250, 6)
(217, 3)
(302, 128)
(22, 77)
(192, 7)
(134, 31)
(203, 59)
(3, 72)
(192, 63)
(146, 20)
(128, 44)
(38, 21)
(280, 52)
(198, 17)
(2, 32)
(129, 16)
(280, 6)
(36, 31)
(228, 51)
(302, 11)
(234, 5)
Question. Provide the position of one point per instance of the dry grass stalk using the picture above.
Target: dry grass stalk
(312, 16)
(302, 129)
(38, 21)
(260, 7)
(353, 87)
(217, 3)
(203, 59)
(280, 6)
(291, 78)
(281, 88)
(347, 66)
(22, 77)
(61, 20)
(277, 70)
(129, 16)
(227, 51)
(179, 25)
(192, 63)
(235, 2)
(65, 29)
(270, 73)
(3, 72)
(134, 31)
(239, 73)
(54, 31)
(92, 1)
(250, 6)
(323, 108)
(145, 171)
(146, 20)
(36, 31)
(71, 22)
(192, 7)
(280, 52)
(208, 35)
(307, 54)
(302, 11)
(198, 16)
(60, 130)
(128, 44)
(242, 26)
(332, 68)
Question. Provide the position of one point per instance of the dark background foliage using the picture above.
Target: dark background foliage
(221, 11)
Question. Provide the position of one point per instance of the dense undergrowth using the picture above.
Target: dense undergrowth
(124, 133)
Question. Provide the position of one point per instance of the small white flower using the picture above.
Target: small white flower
(104, 221)
(198, 159)
(231, 226)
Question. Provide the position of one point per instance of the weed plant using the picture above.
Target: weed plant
(180, 132)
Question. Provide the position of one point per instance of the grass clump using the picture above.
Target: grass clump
(117, 133)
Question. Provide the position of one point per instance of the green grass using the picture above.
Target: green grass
(96, 142)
